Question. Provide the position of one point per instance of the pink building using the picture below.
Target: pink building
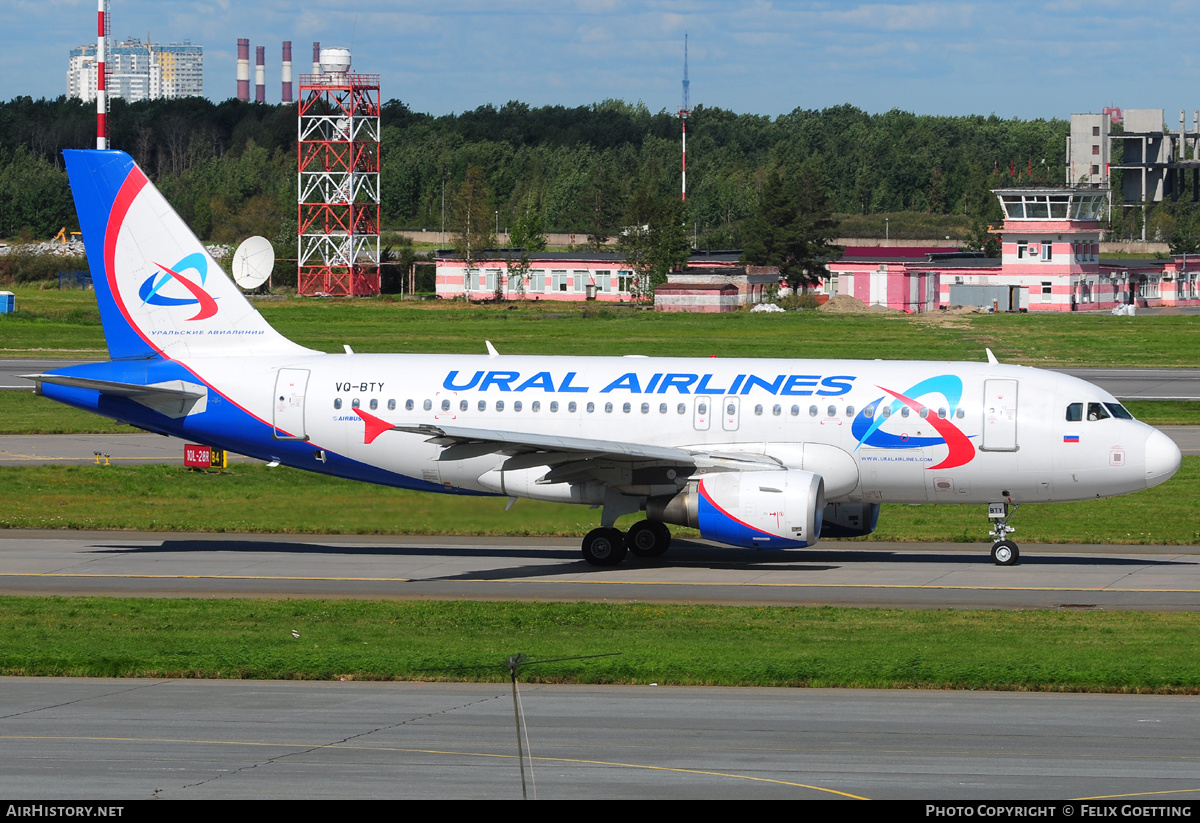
(1050, 261)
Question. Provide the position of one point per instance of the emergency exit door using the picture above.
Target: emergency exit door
(999, 416)
(288, 404)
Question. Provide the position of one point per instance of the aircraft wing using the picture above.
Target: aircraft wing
(489, 441)
(529, 449)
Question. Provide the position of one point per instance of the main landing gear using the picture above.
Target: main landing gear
(1004, 551)
(608, 546)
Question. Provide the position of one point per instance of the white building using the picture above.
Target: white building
(139, 71)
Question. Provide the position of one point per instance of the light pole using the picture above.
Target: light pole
(887, 229)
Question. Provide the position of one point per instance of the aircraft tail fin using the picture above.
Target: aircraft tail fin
(160, 292)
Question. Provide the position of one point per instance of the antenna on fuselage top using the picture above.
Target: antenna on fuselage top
(991, 357)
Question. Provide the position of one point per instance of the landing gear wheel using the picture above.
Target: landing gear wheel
(604, 547)
(1005, 553)
(648, 538)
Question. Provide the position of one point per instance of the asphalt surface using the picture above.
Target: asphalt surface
(1143, 384)
(899, 575)
(188, 739)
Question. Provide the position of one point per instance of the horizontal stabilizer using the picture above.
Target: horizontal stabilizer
(174, 398)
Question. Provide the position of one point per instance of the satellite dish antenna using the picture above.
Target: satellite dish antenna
(252, 262)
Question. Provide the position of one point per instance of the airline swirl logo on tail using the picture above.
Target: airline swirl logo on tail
(156, 290)
(886, 429)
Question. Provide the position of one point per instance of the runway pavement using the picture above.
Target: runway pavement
(187, 739)
(1143, 384)
(902, 575)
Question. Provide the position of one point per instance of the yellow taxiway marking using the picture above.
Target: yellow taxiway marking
(445, 752)
(1134, 794)
(901, 586)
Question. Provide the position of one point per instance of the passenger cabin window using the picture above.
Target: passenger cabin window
(337, 402)
(500, 406)
(1074, 412)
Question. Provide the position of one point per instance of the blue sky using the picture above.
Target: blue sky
(1015, 59)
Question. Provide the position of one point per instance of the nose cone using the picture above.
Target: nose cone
(1162, 458)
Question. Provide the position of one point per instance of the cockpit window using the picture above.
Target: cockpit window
(1119, 411)
(1074, 412)
(1096, 411)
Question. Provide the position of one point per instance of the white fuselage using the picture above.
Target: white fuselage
(1022, 447)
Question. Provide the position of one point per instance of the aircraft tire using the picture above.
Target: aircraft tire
(648, 538)
(604, 547)
(1005, 553)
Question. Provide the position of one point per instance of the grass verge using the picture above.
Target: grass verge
(676, 645)
(254, 498)
(66, 324)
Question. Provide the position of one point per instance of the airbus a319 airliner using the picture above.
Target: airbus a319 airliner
(764, 454)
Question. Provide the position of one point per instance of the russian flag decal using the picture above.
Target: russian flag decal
(1070, 438)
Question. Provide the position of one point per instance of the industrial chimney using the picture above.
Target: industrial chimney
(243, 70)
(260, 74)
(286, 73)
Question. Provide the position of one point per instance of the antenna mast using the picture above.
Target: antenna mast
(683, 116)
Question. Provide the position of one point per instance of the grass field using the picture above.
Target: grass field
(254, 498)
(669, 645)
(52, 323)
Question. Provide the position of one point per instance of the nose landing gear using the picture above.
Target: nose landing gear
(1004, 551)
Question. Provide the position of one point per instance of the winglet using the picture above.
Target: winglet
(991, 357)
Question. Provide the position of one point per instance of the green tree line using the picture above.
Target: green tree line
(229, 167)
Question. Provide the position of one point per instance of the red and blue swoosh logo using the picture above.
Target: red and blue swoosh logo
(869, 431)
(151, 290)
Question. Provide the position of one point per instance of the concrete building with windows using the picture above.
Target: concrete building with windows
(712, 281)
(138, 71)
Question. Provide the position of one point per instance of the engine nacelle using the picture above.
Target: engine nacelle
(767, 509)
(849, 519)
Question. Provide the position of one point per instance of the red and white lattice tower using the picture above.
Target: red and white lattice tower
(339, 179)
(103, 73)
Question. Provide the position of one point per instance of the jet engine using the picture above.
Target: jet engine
(763, 509)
